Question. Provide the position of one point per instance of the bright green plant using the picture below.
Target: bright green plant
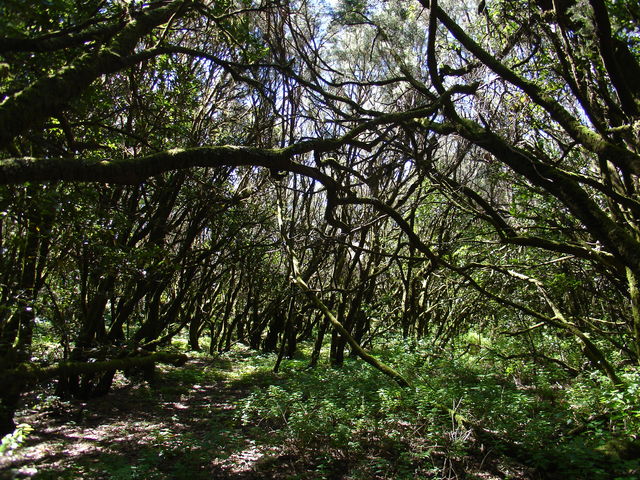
(12, 441)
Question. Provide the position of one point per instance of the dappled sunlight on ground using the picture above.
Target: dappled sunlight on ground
(232, 418)
(152, 428)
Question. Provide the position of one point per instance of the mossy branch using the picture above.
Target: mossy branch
(28, 373)
(361, 352)
(296, 278)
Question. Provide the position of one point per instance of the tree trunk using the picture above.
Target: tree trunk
(317, 347)
(634, 297)
(371, 360)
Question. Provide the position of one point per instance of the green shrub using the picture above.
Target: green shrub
(12, 441)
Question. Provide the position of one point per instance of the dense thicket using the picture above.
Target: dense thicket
(424, 169)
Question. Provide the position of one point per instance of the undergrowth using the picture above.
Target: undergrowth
(354, 423)
(354, 419)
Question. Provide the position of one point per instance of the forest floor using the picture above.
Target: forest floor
(186, 425)
(181, 426)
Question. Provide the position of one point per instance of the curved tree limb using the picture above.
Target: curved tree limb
(46, 96)
(296, 278)
(586, 137)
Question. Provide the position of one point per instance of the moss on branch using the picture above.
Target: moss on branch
(29, 373)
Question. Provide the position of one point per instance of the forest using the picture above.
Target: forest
(320, 239)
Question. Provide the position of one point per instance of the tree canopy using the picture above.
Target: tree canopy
(273, 172)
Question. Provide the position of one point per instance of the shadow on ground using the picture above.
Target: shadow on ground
(181, 426)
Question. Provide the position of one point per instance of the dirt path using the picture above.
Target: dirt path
(182, 426)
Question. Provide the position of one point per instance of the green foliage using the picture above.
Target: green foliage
(355, 420)
(348, 414)
(351, 11)
(514, 216)
(613, 411)
(13, 441)
(334, 416)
